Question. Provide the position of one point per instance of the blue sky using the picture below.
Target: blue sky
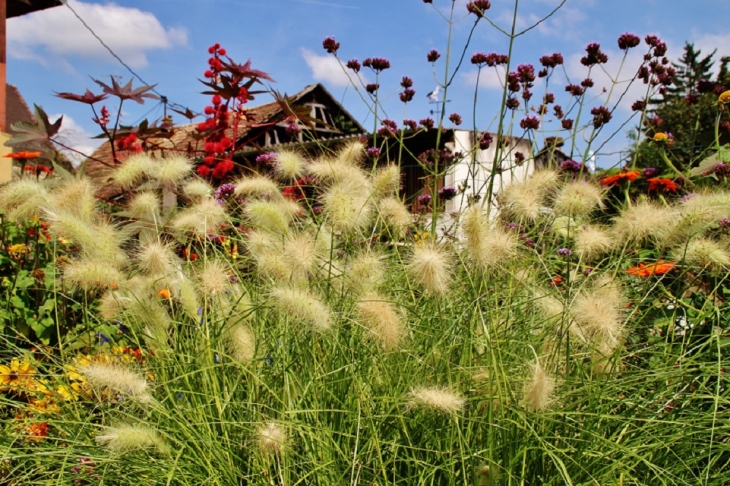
(165, 42)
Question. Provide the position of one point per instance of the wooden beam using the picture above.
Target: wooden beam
(3, 66)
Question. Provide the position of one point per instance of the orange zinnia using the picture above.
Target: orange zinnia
(615, 180)
(24, 155)
(163, 294)
(657, 183)
(659, 268)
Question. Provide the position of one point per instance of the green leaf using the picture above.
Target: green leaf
(707, 164)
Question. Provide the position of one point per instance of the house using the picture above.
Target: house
(262, 128)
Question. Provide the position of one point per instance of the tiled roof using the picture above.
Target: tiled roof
(16, 8)
(183, 140)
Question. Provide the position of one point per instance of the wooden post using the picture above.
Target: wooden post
(3, 66)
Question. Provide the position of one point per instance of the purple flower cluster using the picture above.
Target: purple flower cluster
(224, 192)
(447, 193)
(564, 251)
(571, 165)
(267, 158)
(377, 64)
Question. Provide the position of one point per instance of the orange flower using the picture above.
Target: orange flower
(724, 98)
(556, 281)
(659, 268)
(657, 183)
(615, 180)
(164, 294)
(37, 432)
(24, 155)
(38, 169)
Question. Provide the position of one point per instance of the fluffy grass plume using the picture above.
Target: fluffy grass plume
(704, 252)
(643, 220)
(430, 266)
(289, 164)
(386, 181)
(256, 186)
(302, 307)
(440, 399)
(173, 169)
(346, 210)
(196, 220)
(213, 279)
(145, 205)
(23, 198)
(155, 258)
(592, 242)
(549, 305)
(197, 189)
(99, 242)
(92, 274)
(351, 154)
(268, 216)
(271, 438)
(521, 200)
(539, 388)
(118, 378)
(578, 198)
(598, 314)
(127, 438)
(487, 247)
(76, 197)
(396, 215)
(241, 342)
(564, 226)
(328, 171)
(133, 170)
(365, 272)
(382, 319)
(300, 255)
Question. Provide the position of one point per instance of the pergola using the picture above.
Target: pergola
(8, 10)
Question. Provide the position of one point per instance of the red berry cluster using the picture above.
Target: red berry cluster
(218, 147)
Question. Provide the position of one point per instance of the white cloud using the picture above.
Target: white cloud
(326, 68)
(56, 32)
(73, 135)
(709, 42)
(490, 78)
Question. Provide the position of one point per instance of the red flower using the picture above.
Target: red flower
(659, 268)
(615, 180)
(24, 155)
(657, 183)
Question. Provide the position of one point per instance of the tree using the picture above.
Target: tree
(687, 111)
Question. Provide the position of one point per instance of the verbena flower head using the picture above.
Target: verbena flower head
(478, 7)
(330, 45)
(377, 64)
(594, 55)
(267, 158)
(439, 399)
(433, 55)
(354, 64)
(447, 193)
(382, 319)
(530, 122)
(628, 40)
(601, 116)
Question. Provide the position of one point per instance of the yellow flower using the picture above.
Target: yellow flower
(45, 406)
(18, 251)
(660, 137)
(724, 98)
(67, 393)
(16, 375)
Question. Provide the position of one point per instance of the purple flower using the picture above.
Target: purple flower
(478, 7)
(225, 191)
(627, 41)
(601, 116)
(650, 172)
(724, 222)
(433, 55)
(354, 64)
(377, 64)
(447, 193)
(330, 45)
(530, 122)
(268, 158)
(564, 251)
(373, 152)
(424, 199)
(571, 165)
